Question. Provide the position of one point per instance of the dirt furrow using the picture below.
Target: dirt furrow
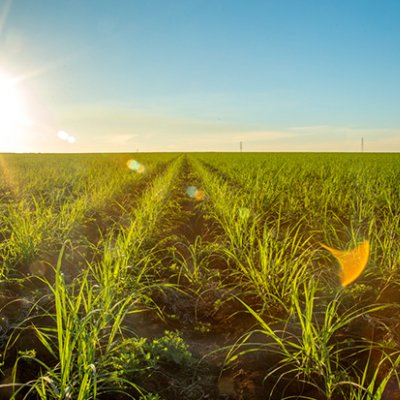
(195, 300)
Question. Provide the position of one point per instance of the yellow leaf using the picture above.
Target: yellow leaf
(352, 262)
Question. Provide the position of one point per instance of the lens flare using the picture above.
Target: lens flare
(200, 195)
(191, 191)
(136, 166)
(13, 113)
(66, 137)
(352, 262)
(194, 193)
(62, 135)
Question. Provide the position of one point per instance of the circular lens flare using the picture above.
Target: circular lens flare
(194, 193)
(66, 137)
(191, 191)
(136, 166)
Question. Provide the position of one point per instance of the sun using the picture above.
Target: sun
(13, 117)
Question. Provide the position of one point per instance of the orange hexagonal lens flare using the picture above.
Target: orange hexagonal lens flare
(352, 262)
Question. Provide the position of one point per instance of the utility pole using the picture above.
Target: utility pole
(362, 145)
(241, 146)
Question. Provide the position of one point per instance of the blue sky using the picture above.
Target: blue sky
(203, 75)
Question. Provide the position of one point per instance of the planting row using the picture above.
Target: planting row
(199, 276)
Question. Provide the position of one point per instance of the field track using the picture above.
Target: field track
(198, 276)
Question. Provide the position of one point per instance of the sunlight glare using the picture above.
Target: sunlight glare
(136, 166)
(12, 112)
(195, 193)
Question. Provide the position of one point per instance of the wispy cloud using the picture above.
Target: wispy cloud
(344, 130)
(120, 139)
(263, 135)
(121, 128)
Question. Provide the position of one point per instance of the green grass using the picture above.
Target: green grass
(89, 243)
